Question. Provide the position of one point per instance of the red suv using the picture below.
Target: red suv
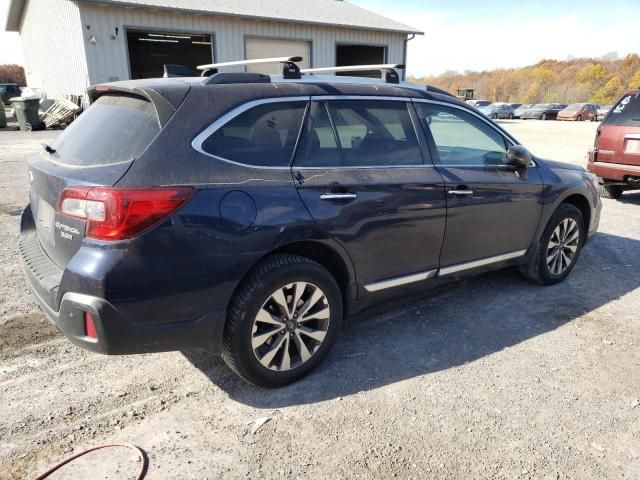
(615, 158)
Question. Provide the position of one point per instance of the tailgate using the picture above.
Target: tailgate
(95, 150)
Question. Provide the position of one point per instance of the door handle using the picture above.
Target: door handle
(461, 192)
(338, 196)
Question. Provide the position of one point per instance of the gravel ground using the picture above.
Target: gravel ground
(490, 378)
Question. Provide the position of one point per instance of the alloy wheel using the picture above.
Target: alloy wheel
(563, 246)
(290, 326)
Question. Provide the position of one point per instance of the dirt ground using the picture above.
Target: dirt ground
(493, 378)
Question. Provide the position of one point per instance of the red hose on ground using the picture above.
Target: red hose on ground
(142, 456)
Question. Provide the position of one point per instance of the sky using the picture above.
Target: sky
(484, 34)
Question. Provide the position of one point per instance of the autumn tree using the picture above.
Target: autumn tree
(573, 80)
(609, 93)
(12, 74)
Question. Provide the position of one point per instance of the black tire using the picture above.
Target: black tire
(579, 118)
(543, 116)
(269, 276)
(537, 269)
(511, 116)
(610, 191)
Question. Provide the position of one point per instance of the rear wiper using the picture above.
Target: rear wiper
(48, 149)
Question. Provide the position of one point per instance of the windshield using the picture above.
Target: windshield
(625, 112)
(575, 106)
(115, 129)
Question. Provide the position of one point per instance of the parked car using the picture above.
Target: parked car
(479, 103)
(515, 105)
(615, 157)
(602, 111)
(521, 109)
(579, 111)
(8, 91)
(225, 214)
(498, 110)
(543, 111)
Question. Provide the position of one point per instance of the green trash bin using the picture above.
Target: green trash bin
(27, 113)
(3, 117)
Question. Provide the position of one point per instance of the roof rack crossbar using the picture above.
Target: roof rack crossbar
(387, 70)
(354, 68)
(289, 68)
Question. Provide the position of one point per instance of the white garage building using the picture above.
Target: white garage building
(71, 44)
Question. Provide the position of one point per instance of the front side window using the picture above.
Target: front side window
(360, 133)
(460, 137)
(264, 135)
(626, 112)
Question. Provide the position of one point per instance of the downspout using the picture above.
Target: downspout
(404, 54)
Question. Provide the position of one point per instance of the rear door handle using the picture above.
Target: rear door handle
(461, 192)
(338, 196)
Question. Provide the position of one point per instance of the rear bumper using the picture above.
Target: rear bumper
(612, 171)
(118, 336)
(117, 333)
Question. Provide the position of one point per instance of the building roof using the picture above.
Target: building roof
(320, 12)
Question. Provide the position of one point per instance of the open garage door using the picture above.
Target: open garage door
(360, 55)
(260, 47)
(149, 51)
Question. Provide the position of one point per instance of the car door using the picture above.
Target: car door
(492, 210)
(362, 172)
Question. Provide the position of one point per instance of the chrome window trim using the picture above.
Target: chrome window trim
(197, 142)
(632, 136)
(318, 98)
(363, 167)
(397, 281)
(504, 134)
(480, 263)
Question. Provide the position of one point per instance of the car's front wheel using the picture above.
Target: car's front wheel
(282, 321)
(559, 247)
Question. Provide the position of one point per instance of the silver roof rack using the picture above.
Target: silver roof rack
(388, 70)
(289, 69)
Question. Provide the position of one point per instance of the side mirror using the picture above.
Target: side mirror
(518, 156)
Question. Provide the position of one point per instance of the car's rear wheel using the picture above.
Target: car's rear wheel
(610, 191)
(511, 116)
(282, 321)
(543, 116)
(559, 247)
(579, 118)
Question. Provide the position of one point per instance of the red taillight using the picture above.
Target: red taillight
(89, 326)
(119, 213)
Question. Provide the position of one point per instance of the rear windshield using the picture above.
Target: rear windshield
(626, 111)
(115, 129)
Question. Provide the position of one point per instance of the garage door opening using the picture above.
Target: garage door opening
(360, 55)
(149, 51)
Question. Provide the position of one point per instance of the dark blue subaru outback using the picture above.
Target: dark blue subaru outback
(248, 214)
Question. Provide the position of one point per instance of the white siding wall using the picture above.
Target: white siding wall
(108, 59)
(52, 41)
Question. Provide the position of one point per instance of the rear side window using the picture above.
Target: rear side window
(115, 129)
(625, 112)
(264, 135)
(360, 133)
